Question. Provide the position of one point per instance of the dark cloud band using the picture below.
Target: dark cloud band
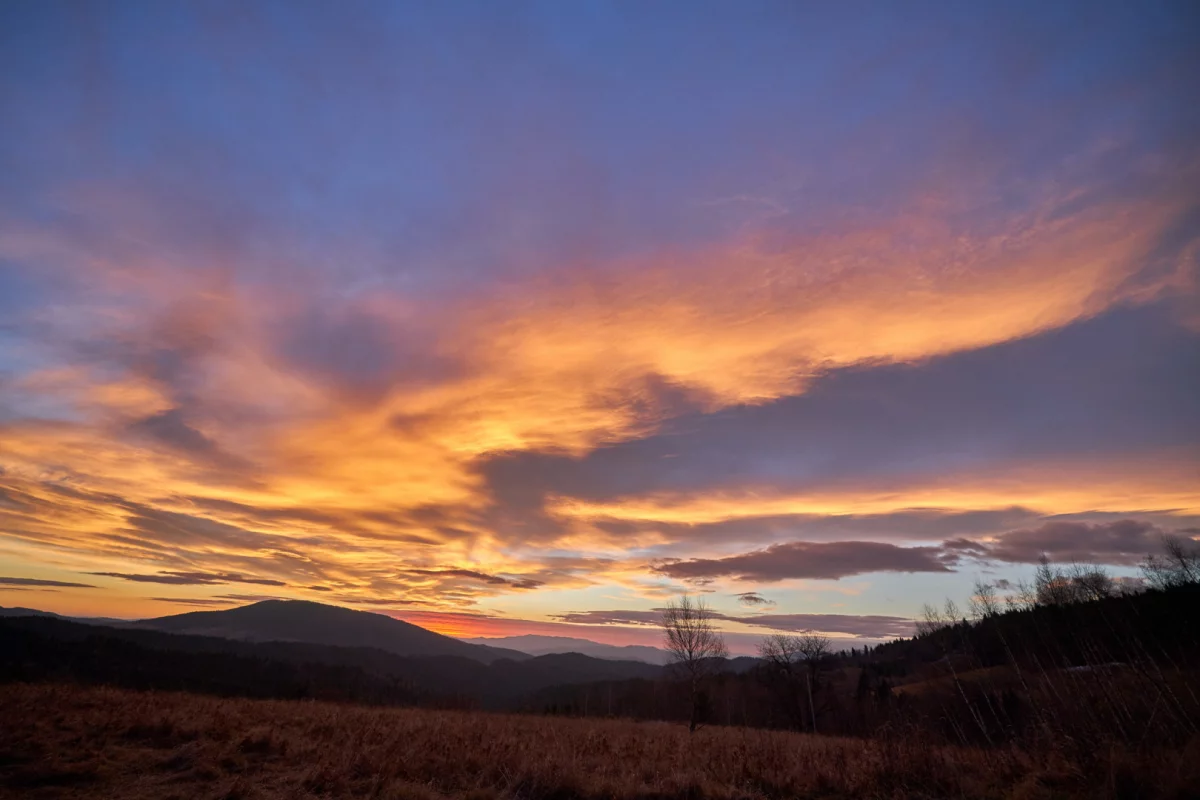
(40, 582)
(190, 578)
(830, 560)
(1122, 542)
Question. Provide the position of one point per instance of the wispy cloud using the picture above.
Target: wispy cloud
(190, 578)
(194, 601)
(6, 581)
(473, 575)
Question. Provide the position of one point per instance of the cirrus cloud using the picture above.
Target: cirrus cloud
(190, 578)
(26, 582)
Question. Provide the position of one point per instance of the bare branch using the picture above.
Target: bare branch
(984, 603)
(693, 642)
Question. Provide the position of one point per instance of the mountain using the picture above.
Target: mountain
(740, 664)
(27, 612)
(18, 611)
(545, 645)
(317, 623)
(46, 647)
(279, 648)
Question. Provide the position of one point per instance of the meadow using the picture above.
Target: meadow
(68, 741)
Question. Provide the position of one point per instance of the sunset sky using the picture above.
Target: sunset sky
(517, 318)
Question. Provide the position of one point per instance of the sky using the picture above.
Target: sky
(528, 317)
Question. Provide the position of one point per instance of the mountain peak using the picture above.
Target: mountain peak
(321, 623)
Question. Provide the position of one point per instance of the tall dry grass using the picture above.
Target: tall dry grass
(70, 742)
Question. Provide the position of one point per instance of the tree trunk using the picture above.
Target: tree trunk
(812, 709)
(695, 706)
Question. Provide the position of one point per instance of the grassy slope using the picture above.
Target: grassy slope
(70, 742)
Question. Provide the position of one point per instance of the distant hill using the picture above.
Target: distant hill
(318, 623)
(18, 611)
(740, 664)
(545, 645)
(35, 648)
(292, 649)
(27, 612)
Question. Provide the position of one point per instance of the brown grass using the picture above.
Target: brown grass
(71, 742)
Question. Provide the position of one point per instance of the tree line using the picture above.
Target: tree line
(1074, 655)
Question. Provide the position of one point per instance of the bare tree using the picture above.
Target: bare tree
(781, 653)
(796, 655)
(1091, 583)
(813, 647)
(931, 620)
(953, 615)
(1179, 566)
(1024, 598)
(984, 603)
(1053, 586)
(694, 644)
(1185, 556)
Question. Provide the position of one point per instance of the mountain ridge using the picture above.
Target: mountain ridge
(537, 645)
(33, 646)
(310, 622)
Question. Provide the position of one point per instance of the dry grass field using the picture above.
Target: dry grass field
(69, 742)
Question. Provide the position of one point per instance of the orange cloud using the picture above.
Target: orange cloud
(1161, 481)
(271, 470)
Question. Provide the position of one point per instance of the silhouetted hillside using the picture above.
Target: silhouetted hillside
(1163, 625)
(18, 611)
(317, 623)
(34, 648)
(43, 648)
(1116, 668)
(1120, 667)
(536, 645)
